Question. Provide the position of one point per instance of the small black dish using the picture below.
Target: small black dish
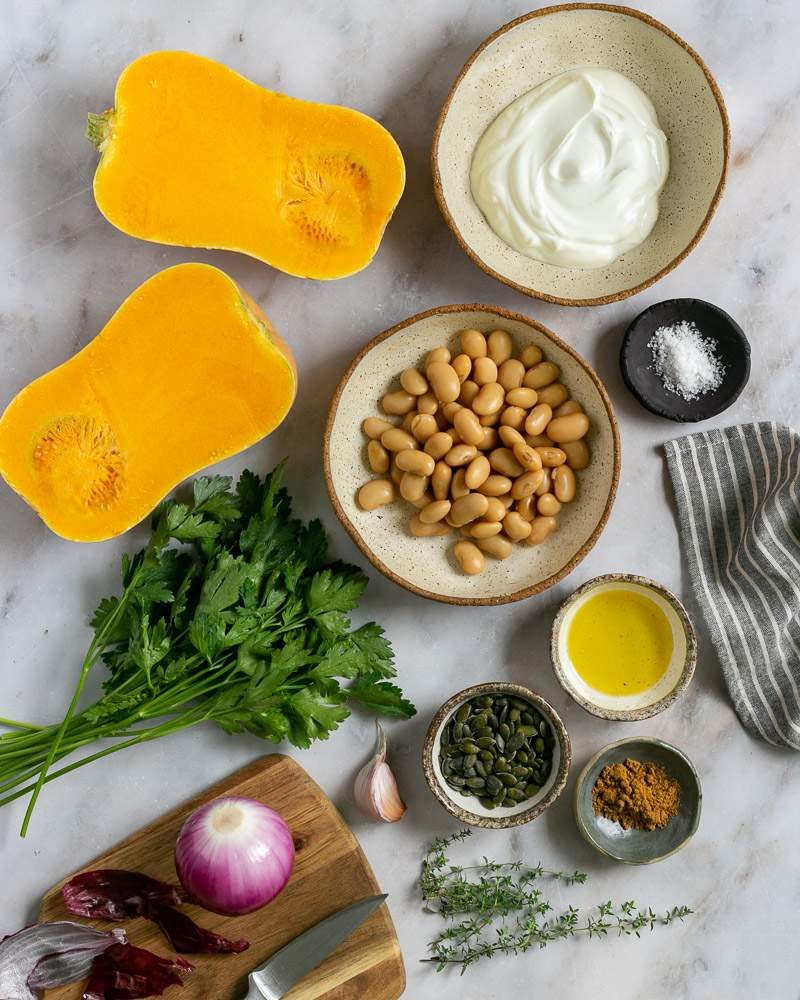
(636, 359)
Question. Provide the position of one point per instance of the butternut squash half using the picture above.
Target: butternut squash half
(195, 155)
(186, 372)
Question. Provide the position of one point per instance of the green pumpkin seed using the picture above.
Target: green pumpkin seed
(515, 742)
(498, 749)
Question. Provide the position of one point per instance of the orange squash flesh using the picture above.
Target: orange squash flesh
(187, 371)
(196, 155)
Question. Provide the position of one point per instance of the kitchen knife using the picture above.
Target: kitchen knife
(290, 964)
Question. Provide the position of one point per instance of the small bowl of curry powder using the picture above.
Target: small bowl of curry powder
(638, 800)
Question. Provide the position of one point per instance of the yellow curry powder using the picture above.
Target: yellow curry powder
(636, 794)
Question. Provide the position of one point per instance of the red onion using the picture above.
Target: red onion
(62, 944)
(234, 855)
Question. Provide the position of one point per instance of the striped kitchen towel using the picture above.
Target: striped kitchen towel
(737, 491)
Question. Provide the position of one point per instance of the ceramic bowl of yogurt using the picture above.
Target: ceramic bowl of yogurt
(623, 647)
(581, 153)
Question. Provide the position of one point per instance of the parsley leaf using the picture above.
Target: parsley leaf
(233, 614)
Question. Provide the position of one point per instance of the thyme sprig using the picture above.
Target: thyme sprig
(495, 908)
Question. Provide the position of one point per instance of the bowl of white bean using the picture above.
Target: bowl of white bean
(471, 455)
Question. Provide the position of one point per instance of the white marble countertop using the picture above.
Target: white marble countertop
(66, 271)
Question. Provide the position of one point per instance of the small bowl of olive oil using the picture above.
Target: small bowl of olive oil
(623, 647)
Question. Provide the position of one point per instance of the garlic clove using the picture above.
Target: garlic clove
(376, 790)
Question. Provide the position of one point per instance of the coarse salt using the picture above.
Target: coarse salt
(686, 362)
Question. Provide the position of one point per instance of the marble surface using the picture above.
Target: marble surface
(66, 270)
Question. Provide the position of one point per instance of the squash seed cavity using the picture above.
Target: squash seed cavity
(326, 199)
(83, 461)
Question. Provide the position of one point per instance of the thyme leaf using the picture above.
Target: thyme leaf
(496, 908)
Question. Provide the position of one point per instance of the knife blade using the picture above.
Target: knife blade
(295, 960)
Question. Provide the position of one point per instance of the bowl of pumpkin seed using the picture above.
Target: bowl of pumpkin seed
(496, 755)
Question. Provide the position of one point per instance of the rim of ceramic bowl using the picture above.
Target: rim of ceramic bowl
(598, 300)
(351, 529)
(626, 714)
(498, 822)
(581, 781)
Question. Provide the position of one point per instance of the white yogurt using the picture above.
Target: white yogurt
(570, 173)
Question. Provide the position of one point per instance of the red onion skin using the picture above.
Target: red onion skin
(124, 972)
(248, 872)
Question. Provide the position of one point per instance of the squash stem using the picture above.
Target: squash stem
(98, 128)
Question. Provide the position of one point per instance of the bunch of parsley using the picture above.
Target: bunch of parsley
(232, 614)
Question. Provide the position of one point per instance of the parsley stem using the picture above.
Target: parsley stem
(142, 737)
(95, 649)
(13, 724)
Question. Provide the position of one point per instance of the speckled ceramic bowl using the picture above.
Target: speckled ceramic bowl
(639, 847)
(630, 708)
(542, 44)
(426, 566)
(468, 809)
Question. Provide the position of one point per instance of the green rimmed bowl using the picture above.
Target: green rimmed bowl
(639, 847)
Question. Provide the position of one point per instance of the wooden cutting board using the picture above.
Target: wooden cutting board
(330, 872)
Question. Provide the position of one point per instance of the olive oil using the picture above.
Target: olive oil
(620, 642)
